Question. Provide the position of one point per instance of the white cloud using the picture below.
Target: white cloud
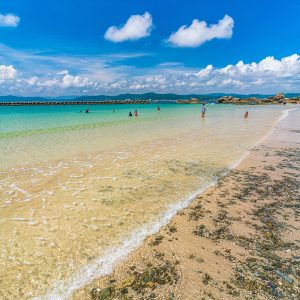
(269, 75)
(136, 27)
(75, 81)
(268, 67)
(7, 72)
(205, 72)
(199, 32)
(9, 20)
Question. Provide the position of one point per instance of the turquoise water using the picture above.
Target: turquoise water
(49, 126)
(74, 185)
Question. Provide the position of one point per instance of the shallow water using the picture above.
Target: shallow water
(73, 185)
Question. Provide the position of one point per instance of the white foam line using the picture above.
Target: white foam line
(104, 265)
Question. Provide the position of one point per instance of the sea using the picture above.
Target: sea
(79, 191)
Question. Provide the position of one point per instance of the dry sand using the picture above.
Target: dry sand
(238, 240)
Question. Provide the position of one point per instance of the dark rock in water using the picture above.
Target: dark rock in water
(98, 294)
(95, 292)
(140, 285)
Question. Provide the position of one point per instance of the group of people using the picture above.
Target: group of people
(86, 111)
(203, 111)
(135, 113)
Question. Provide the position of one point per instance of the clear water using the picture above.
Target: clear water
(73, 185)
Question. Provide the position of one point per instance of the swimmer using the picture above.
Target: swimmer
(203, 110)
(87, 111)
(246, 115)
(130, 114)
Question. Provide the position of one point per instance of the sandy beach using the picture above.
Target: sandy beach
(238, 240)
(149, 150)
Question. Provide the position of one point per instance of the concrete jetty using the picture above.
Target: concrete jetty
(37, 103)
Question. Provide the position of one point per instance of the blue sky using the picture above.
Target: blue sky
(78, 47)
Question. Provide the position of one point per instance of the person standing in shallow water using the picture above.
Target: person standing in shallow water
(136, 113)
(246, 115)
(130, 114)
(203, 110)
(158, 108)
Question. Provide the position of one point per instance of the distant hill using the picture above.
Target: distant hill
(10, 98)
(145, 96)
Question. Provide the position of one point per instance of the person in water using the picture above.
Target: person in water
(158, 108)
(135, 113)
(130, 114)
(203, 110)
(246, 115)
(87, 111)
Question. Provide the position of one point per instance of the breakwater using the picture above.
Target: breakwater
(28, 103)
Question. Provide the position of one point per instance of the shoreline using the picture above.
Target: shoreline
(120, 270)
(121, 257)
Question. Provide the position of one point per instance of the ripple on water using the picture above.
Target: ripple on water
(91, 200)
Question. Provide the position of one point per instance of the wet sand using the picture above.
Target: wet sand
(237, 240)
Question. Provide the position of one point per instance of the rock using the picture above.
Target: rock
(206, 278)
(158, 239)
(276, 99)
(126, 282)
(278, 96)
(150, 284)
(105, 293)
(98, 294)
(201, 231)
(124, 291)
(284, 276)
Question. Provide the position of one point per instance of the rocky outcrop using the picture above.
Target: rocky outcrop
(276, 99)
(190, 101)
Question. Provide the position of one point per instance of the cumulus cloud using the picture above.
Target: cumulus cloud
(75, 81)
(269, 75)
(7, 72)
(136, 27)
(9, 20)
(200, 32)
(269, 67)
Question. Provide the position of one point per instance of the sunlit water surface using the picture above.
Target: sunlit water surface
(73, 185)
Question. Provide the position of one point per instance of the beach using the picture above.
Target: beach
(149, 150)
(239, 239)
(84, 196)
